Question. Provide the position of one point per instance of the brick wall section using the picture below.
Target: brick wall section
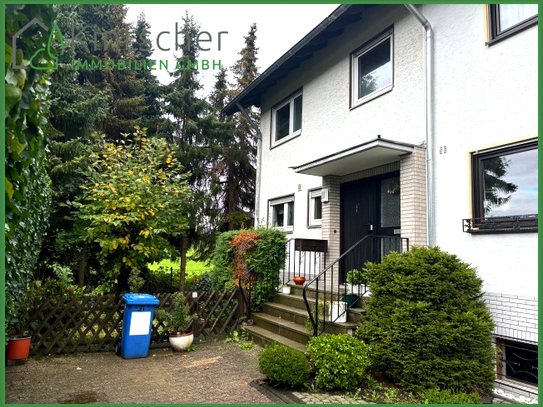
(515, 316)
(413, 197)
(331, 217)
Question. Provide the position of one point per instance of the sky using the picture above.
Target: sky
(279, 28)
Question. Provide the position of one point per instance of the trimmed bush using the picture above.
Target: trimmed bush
(427, 324)
(436, 396)
(283, 365)
(340, 361)
(238, 251)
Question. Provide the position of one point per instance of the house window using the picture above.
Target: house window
(372, 67)
(315, 208)
(518, 361)
(282, 213)
(287, 119)
(508, 19)
(505, 192)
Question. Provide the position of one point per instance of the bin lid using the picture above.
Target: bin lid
(140, 299)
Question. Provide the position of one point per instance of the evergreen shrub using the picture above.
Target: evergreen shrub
(340, 361)
(283, 365)
(427, 323)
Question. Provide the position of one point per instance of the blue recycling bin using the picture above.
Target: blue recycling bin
(137, 325)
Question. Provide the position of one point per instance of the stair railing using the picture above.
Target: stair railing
(252, 285)
(330, 303)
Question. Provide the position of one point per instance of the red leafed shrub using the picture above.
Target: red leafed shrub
(243, 246)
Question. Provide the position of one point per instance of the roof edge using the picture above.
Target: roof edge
(232, 107)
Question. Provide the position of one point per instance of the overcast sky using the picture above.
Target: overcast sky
(280, 26)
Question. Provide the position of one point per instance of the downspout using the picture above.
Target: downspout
(258, 160)
(428, 91)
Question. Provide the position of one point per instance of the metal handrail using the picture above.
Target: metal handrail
(251, 272)
(314, 318)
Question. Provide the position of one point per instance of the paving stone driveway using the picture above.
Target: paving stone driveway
(216, 373)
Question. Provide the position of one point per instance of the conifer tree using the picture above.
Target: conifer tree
(194, 135)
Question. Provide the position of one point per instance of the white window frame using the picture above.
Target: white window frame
(354, 69)
(291, 132)
(316, 193)
(282, 201)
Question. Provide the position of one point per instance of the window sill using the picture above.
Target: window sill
(371, 96)
(314, 226)
(285, 139)
(501, 224)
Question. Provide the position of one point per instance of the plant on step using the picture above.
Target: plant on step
(427, 323)
(356, 277)
(283, 365)
(340, 361)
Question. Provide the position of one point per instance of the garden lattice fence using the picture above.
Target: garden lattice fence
(93, 323)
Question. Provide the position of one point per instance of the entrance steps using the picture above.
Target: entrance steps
(283, 320)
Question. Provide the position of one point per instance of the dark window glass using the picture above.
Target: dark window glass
(374, 69)
(290, 215)
(317, 208)
(282, 122)
(297, 113)
(279, 215)
(510, 184)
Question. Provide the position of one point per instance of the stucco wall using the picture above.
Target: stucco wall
(483, 95)
(328, 123)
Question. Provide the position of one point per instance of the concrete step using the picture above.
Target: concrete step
(292, 300)
(286, 312)
(264, 337)
(355, 315)
(283, 327)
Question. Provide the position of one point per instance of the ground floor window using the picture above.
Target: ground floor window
(315, 208)
(518, 361)
(281, 211)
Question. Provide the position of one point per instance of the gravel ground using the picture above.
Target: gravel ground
(216, 373)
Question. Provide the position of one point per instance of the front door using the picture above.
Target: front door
(368, 206)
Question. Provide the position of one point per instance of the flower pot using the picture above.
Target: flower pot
(181, 341)
(350, 299)
(18, 348)
(299, 280)
(338, 311)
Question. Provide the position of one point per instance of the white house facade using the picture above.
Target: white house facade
(420, 123)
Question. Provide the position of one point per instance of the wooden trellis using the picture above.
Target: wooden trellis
(93, 323)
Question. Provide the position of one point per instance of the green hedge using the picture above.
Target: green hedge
(427, 324)
(283, 365)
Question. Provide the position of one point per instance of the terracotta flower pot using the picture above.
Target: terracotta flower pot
(18, 348)
(299, 280)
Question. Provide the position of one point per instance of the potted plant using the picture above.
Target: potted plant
(284, 288)
(19, 340)
(177, 323)
(355, 287)
(299, 280)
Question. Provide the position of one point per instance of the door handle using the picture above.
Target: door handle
(369, 227)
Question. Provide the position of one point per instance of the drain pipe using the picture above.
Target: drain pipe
(258, 160)
(428, 90)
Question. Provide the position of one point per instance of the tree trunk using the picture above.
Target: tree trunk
(82, 267)
(183, 266)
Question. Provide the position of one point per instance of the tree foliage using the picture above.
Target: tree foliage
(427, 323)
(135, 198)
(27, 186)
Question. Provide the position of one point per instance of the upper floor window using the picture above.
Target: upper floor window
(315, 208)
(282, 213)
(505, 189)
(372, 69)
(507, 19)
(287, 119)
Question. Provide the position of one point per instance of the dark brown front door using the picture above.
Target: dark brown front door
(368, 206)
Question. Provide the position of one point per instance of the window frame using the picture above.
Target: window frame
(496, 224)
(357, 53)
(494, 34)
(311, 221)
(283, 200)
(292, 134)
